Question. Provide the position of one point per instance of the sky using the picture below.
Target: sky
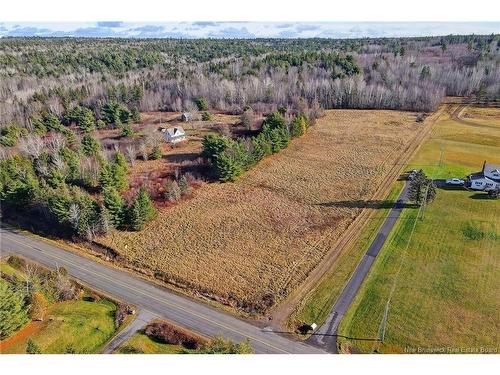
(211, 29)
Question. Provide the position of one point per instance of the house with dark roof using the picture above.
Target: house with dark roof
(486, 180)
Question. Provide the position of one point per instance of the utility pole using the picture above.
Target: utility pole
(424, 203)
(441, 150)
(383, 325)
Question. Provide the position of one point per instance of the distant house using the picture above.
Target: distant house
(174, 135)
(185, 117)
(486, 180)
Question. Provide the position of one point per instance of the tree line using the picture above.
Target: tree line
(230, 158)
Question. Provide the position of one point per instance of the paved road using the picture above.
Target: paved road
(326, 335)
(140, 321)
(146, 296)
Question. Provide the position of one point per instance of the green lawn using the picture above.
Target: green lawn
(446, 294)
(81, 325)
(85, 326)
(140, 343)
(318, 304)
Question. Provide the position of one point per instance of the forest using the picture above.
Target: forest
(55, 93)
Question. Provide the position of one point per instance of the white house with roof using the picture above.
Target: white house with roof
(486, 180)
(174, 135)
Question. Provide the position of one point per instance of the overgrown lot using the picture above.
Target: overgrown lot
(446, 291)
(250, 242)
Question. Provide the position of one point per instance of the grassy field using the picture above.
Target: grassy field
(85, 326)
(318, 304)
(81, 325)
(446, 283)
(256, 239)
(140, 343)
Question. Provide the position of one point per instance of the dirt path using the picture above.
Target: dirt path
(455, 115)
(20, 335)
(281, 312)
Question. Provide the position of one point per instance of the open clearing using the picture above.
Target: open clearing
(251, 242)
(446, 294)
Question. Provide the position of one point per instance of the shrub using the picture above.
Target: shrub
(127, 131)
(38, 306)
(473, 233)
(247, 118)
(120, 315)
(16, 262)
(155, 153)
(184, 186)
(10, 134)
(219, 345)
(206, 116)
(166, 333)
(172, 191)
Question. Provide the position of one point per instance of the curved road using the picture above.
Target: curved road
(151, 298)
(326, 335)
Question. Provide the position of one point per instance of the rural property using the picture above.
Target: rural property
(217, 195)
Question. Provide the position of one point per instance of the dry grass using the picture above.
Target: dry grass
(262, 235)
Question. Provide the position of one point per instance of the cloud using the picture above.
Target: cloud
(28, 31)
(95, 32)
(289, 34)
(205, 23)
(307, 27)
(233, 32)
(110, 24)
(284, 25)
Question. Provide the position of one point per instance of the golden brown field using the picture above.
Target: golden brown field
(257, 238)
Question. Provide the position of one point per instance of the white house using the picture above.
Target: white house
(174, 135)
(486, 180)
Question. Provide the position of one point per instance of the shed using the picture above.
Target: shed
(186, 117)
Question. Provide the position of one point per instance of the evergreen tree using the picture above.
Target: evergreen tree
(90, 146)
(32, 347)
(13, 312)
(172, 191)
(114, 205)
(86, 121)
(227, 168)
(155, 153)
(419, 186)
(201, 103)
(119, 176)
(142, 210)
(184, 186)
(136, 115)
(121, 160)
(213, 145)
(298, 126)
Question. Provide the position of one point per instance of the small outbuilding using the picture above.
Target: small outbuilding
(174, 135)
(185, 117)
